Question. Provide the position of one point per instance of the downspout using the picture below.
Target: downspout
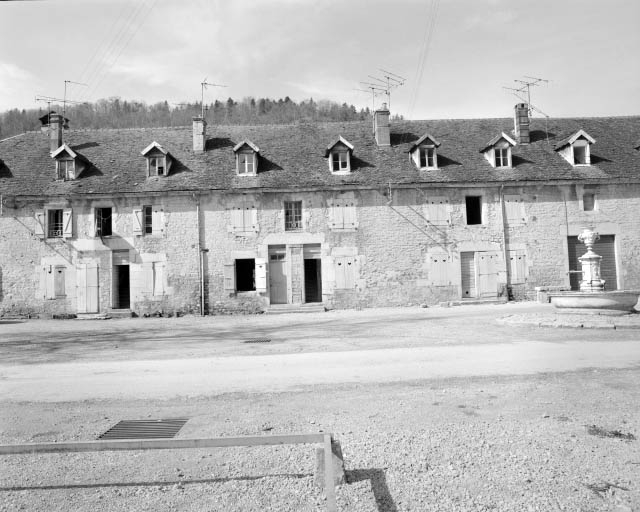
(504, 240)
(201, 252)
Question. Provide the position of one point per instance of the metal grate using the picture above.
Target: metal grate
(258, 340)
(145, 429)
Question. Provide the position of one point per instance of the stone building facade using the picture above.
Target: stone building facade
(340, 215)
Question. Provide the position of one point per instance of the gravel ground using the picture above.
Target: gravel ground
(482, 444)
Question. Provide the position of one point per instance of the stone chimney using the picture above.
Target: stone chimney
(381, 126)
(521, 122)
(199, 134)
(55, 131)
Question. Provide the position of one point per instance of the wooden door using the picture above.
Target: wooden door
(468, 274)
(487, 263)
(87, 288)
(278, 279)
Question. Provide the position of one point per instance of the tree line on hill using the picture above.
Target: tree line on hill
(118, 113)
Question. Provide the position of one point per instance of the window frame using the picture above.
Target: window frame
(342, 156)
(480, 219)
(593, 202)
(147, 219)
(426, 153)
(153, 167)
(502, 155)
(51, 232)
(248, 166)
(101, 221)
(66, 169)
(293, 209)
(583, 152)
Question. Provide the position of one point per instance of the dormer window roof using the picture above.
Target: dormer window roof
(424, 152)
(158, 160)
(498, 151)
(339, 155)
(247, 154)
(576, 149)
(69, 164)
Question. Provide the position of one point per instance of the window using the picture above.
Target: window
(54, 281)
(514, 210)
(589, 202)
(517, 266)
(437, 210)
(292, 215)
(55, 223)
(246, 163)
(245, 275)
(474, 209)
(502, 157)
(243, 219)
(103, 222)
(441, 269)
(147, 220)
(580, 153)
(340, 161)
(157, 165)
(345, 272)
(343, 214)
(66, 169)
(427, 158)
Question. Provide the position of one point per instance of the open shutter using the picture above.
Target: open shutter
(40, 223)
(230, 277)
(137, 221)
(349, 215)
(261, 275)
(67, 223)
(49, 281)
(338, 215)
(157, 221)
(158, 278)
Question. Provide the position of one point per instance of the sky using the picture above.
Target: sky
(456, 56)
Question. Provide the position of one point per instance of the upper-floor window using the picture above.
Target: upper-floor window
(103, 222)
(576, 149)
(427, 158)
(66, 169)
(292, 215)
(474, 209)
(55, 223)
(148, 220)
(580, 152)
(246, 158)
(424, 152)
(588, 201)
(339, 155)
(498, 151)
(158, 160)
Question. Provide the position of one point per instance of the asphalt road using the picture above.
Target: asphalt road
(168, 358)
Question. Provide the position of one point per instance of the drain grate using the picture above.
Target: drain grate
(145, 429)
(258, 340)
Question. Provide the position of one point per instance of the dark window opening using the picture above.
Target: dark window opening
(245, 275)
(148, 219)
(103, 222)
(589, 202)
(54, 224)
(474, 209)
(579, 155)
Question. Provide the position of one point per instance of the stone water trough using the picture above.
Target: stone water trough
(592, 299)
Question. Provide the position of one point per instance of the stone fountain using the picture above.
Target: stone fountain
(592, 298)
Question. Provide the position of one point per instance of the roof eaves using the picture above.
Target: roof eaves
(246, 142)
(153, 145)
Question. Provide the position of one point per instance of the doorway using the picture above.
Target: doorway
(278, 274)
(121, 280)
(312, 280)
(479, 274)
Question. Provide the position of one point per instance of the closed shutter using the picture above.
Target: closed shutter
(48, 271)
(158, 278)
(514, 213)
(604, 247)
(349, 215)
(438, 210)
(338, 215)
(92, 288)
(440, 269)
(237, 219)
(250, 218)
(345, 270)
(468, 274)
(517, 266)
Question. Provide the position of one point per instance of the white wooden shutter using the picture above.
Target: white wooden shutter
(338, 215)
(345, 271)
(349, 215)
(158, 278)
(249, 218)
(41, 221)
(136, 281)
(514, 207)
(339, 264)
(148, 280)
(230, 277)
(236, 218)
(81, 287)
(138, 221)
(517, 266)
(157, 221)
(67, 223)
(438, 210)
(49, 286)
(261, 275)
(440, 266)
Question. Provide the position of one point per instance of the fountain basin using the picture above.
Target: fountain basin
(596, 303)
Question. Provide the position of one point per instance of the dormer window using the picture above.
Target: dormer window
(69, 164)
(498, 151)
(424, 152)
(576, 149)
(339, 155)
(246, 158)
(158, 160)
(66, 169)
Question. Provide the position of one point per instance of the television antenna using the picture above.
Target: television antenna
(204, 84)
(386, 84)
(523, 93)
(64, 101)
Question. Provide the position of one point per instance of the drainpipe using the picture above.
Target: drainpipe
(504, 239)
(201, 252)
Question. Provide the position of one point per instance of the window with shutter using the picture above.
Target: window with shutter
(438, 210)
(514, 209)
(345, 272)
(517, 266)
(441, 269)
(230, 277)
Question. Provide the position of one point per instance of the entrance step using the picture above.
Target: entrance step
(276, 309)
(92, 316)
(120, 313)
(475, 302)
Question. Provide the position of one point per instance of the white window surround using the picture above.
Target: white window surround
(63, 219)
(342, 214)
(576, 149)
(66, 169)
(339, 156)
(498, 151)
(425, 153)
(158, 160)
(69, 164)
(148, 221)
(246, 153)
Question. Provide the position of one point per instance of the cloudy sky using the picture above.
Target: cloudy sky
(456, 55)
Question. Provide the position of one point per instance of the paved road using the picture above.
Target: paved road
(81, 361)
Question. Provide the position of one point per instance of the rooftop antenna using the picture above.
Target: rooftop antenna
(523, 92)
(386, 84)
(64, 101)
(204, 85)
(49, 100)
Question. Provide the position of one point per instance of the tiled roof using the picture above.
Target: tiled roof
(293, 156)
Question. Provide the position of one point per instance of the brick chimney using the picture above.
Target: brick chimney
(381, 126)
(55, 131)
(521, 122)
(199, 134)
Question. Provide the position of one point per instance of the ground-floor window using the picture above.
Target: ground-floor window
(245, 275)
